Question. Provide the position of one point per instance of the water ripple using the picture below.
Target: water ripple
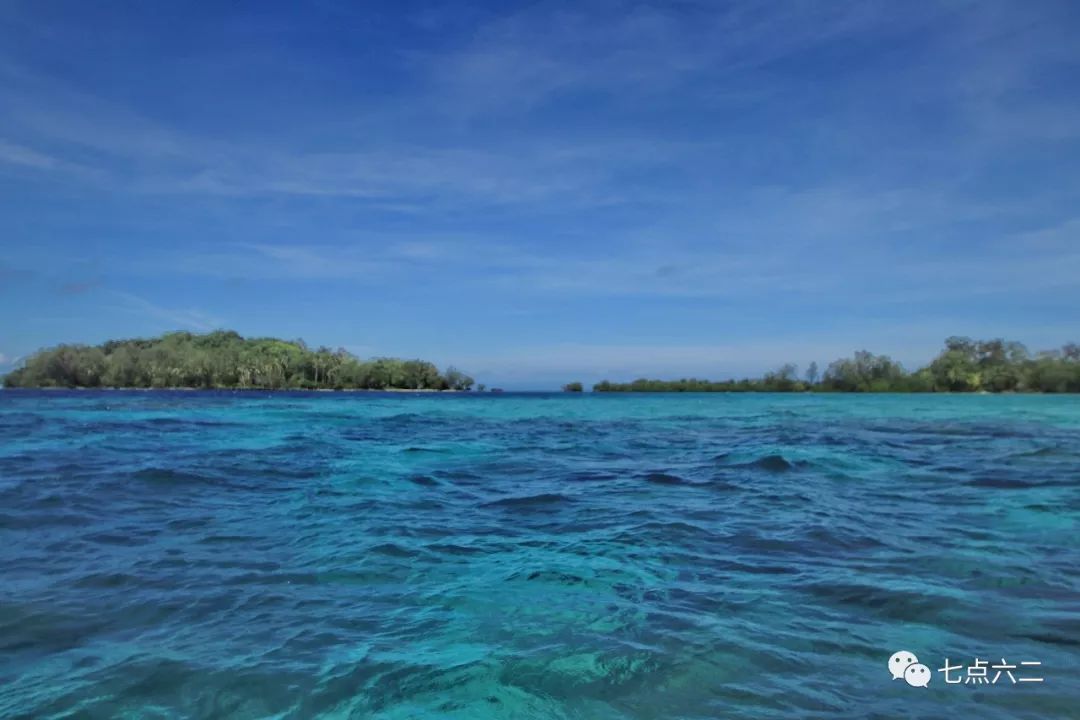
(249, 555)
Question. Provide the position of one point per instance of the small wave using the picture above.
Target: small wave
(556, 576)
(49, 502)
(1001, 483)
(108, 538)
(408, 418)
(188, 523)
(590, 476)
(666, 530)
(1045, 451)
(424, 480)
(894, 603)
(457, 475)
(758, 568)
(662, 478)
(835, 538)
(454, 549)
(30, 521)
(529, 501)
(226, 539)
(772, 463)
(1053, 639)
(21, 423)
(1015, 484)
(188, 422)
(394, 550)
(111, 580)
(166, 476)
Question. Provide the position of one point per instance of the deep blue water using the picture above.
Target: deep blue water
(249, 555)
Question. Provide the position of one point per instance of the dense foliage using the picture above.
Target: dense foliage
(224, 359)
(573, 387)
(964, 365)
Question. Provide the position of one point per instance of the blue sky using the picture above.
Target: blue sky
(547, 191)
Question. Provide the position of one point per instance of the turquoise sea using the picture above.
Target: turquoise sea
(547, 556)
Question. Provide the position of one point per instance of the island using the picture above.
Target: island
(964, 365)
(226, 360)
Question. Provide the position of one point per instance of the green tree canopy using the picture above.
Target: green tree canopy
(964, 365)
(224, 359)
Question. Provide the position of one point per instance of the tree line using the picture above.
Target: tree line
(964, 365)
(224, 359)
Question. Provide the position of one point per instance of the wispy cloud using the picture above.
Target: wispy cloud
(136, 155)
(828, 242)
(19, 155)
(407, 175)
(185, 318)
(636, 53)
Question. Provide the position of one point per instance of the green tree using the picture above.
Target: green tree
(457, 380)
(865, 372)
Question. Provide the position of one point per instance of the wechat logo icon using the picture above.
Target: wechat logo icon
(903, 665)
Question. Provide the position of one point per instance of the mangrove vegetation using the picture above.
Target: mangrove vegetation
(964, 365)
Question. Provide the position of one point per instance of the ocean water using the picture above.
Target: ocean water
(353, 555)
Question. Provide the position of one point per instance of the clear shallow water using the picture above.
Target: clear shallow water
(178, 554)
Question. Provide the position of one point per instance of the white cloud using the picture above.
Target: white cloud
(635, 52)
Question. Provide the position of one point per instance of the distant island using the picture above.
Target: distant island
(224, 359)
(965, 365)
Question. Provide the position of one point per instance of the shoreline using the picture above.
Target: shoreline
(238, 389)
(427, 391)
